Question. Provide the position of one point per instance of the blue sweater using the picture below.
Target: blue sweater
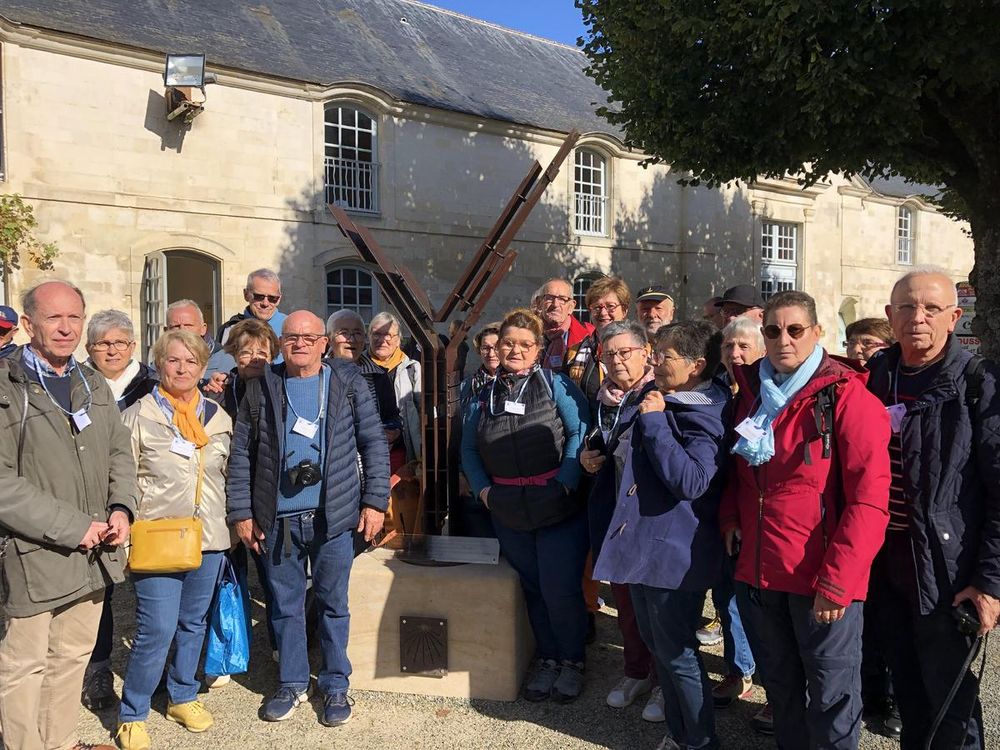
(302, 396)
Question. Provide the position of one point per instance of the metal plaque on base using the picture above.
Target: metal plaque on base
(423, 646)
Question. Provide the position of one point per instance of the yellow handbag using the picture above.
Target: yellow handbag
(169, 545)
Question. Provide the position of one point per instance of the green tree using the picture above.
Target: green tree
(17, 235)
(738, 89)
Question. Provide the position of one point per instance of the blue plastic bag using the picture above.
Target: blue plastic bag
(228, 650)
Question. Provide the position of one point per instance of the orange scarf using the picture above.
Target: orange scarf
(186, 418)
(394, 360)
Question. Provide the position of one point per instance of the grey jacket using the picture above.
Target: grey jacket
(69, 479)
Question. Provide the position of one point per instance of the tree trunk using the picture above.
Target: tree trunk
(985, 277)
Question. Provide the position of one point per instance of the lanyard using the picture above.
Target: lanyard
(516, 400)
(618, 413)
(69, 367)
(319, 397)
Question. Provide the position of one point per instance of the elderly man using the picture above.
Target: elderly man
(742, 301)
(712, 312)
(8, 329)
(67, 496)
(563, 332)
(295, 496)
(262, 293)
(654, 307)
(942, 550)
(186, 314)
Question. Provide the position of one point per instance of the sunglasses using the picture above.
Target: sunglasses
(795, 331)
(272, 298)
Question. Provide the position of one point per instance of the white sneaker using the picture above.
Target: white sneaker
(654, 707)
(626, 691)
(216, 681)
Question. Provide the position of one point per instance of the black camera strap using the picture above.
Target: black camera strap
(979, 644)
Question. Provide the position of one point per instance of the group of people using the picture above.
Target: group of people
(826, 502)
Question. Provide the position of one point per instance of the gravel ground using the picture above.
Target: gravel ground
(384, 720)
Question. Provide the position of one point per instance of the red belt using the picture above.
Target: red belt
(538, 480)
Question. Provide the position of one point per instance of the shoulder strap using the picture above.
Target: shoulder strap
(974, 371)
(201, 477)
(823, 409)
(253, 394)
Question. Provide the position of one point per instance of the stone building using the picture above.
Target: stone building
(419, 121)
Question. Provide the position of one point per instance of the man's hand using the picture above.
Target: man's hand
(987, 606)
(484, 494)
(591, 461)
(118, 529)
(250, 534)
(216, 383)
(370, 523)
(653, 401)
(825, 611)
(732, 539)
(93, 536)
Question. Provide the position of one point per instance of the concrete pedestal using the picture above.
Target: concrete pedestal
(489, 639)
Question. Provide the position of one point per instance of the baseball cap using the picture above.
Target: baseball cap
(655, 292)
(8, 318)
(746, 295)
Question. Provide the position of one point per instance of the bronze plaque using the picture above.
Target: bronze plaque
(423, 646)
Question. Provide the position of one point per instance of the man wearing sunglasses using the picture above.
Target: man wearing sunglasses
(262, 293)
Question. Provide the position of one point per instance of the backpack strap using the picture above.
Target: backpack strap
(823, 407)
(254, 396)
(975, 369)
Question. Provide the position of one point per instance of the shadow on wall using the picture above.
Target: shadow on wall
(170, 132)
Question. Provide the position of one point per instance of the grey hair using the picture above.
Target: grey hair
(381, 319)
(624, 328)
(105, 320)
(334, 320)
(29, 300)
(185, 303)
(263, 273)
(926, 270)
(742, 326)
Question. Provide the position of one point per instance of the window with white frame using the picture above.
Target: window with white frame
(904, 236)
(778, 257)
(350, 288)
(350, 164)
(590, 185)
(581, 285)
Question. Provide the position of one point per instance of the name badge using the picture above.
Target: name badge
(82, 420)
(305, 428)
(513, 407)
(896, 414)
(750, 431)
(555, 360)
(182, 447)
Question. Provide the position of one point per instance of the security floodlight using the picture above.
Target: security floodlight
(184, 70)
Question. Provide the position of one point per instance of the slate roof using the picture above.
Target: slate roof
(415, 52)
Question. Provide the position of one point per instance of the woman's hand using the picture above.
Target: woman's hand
(216, 383)
(591, 461)
(652, 402)
(732, 538)
(825, 611)
(484, 493)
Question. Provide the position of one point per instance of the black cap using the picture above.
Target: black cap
(746, 295)
(655, 292)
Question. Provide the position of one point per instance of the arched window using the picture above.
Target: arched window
(351, 288)
(904, 236)
(351, 159)
(590, 186)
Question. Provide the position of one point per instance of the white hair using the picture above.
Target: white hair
(263, 273)
(926, 270)
(333, 322)
(624, 328)
(185, 303)
(105, 320)
(744, 327)
(381, 319)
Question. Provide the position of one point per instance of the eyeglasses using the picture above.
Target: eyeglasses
(865, 344)
(524, 346)
(624, 354)
(309, 339)
(794, 330)
(486, 349)
(659, 358)
(246, 355)
(909, 309)
(118, 346)
(609, 308)
(379, 335)
(272, 298)
(548, 299)
(345, 334)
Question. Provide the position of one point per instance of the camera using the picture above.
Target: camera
(305, 473)
(967, 619)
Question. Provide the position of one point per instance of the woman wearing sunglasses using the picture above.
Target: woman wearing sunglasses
(805, 510)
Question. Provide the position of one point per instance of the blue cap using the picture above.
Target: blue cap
(8, 318)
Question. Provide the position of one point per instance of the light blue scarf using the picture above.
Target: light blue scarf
(773, 398)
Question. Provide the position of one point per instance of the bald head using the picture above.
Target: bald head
(53, 319)
(922, 275)
(923, 311)
(302, 321)
(303, 343)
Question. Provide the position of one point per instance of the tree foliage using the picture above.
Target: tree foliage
(17, 236)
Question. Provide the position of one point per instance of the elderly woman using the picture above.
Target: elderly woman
(867, 336)
(608, 299)
(663, 539)
(254, 346)
(625, 358)
(520, 452)
(383, 348)
(808, 496)
(742, 344)
(111, 344)
(486, 343)
(181, 444)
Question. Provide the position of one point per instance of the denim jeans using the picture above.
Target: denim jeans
(735, 645)
(668, 620)
(169, 607)
(812, 672)
(549, 562)
(329, 559)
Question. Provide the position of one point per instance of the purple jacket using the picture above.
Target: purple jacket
(665, 529)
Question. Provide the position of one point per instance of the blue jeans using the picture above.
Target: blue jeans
(169, 607)
(329, 559)
(812, 672)
(735, 646)
(550, 563)
(668, 620)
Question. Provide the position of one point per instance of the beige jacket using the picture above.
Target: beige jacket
(168, 481)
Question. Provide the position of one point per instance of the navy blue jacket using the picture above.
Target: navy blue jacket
(665, 528)
(254, 471)
(951, 469)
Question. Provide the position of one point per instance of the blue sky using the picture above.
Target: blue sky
(552, 19)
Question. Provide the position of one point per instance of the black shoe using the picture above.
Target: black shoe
(892, 725)
(569, 683)
(591, 628)
(540, 681)
(98, 692)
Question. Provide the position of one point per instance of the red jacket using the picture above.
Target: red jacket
(812, 526)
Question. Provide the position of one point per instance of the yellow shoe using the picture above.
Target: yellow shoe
(193, 716)
(132, 735)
